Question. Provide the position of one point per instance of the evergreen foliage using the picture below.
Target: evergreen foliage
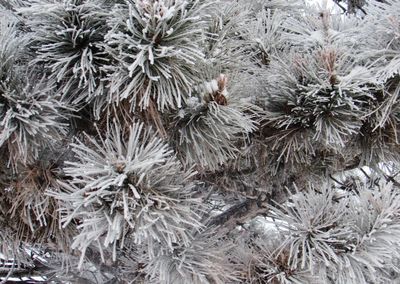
(194, 141)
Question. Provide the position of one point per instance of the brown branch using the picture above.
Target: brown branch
(242, 212)
(237, 214)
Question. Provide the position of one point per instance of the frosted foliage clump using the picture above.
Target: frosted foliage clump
(128, 183)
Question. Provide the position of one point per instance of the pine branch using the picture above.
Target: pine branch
(248, 209)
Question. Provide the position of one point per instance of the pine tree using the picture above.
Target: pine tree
(199, 141)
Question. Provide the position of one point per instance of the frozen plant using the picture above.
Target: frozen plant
(195, 141)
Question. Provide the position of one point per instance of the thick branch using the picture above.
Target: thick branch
(238, 214)
(250, 208)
